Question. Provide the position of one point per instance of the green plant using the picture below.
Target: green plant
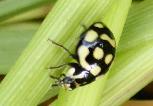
(28, 82)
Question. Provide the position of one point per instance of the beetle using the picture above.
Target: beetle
(94, 54)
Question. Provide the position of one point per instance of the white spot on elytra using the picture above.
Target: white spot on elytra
(107, 38)
(91, 36)
(98, 25)
(95, 69)
(98, 53)
(83, 52)
(108, 58)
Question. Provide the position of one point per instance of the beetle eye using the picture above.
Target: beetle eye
(68, 80)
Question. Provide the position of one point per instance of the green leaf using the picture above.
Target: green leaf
(13, 39)
(133, 68)
(90, 95)
(28, 81)
(10, 8)
(35, 14)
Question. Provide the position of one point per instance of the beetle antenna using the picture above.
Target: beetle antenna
(59, 45)
(58, 66)
(84, 26)
(53, 85)
(53, 77)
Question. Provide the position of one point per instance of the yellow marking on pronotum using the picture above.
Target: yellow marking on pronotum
(108, 58)
(106, 37)
(81, 75)
(83, 52)
(95, 70)
(98, 25)
(98, 53)
(91, 36)
(70, 72)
